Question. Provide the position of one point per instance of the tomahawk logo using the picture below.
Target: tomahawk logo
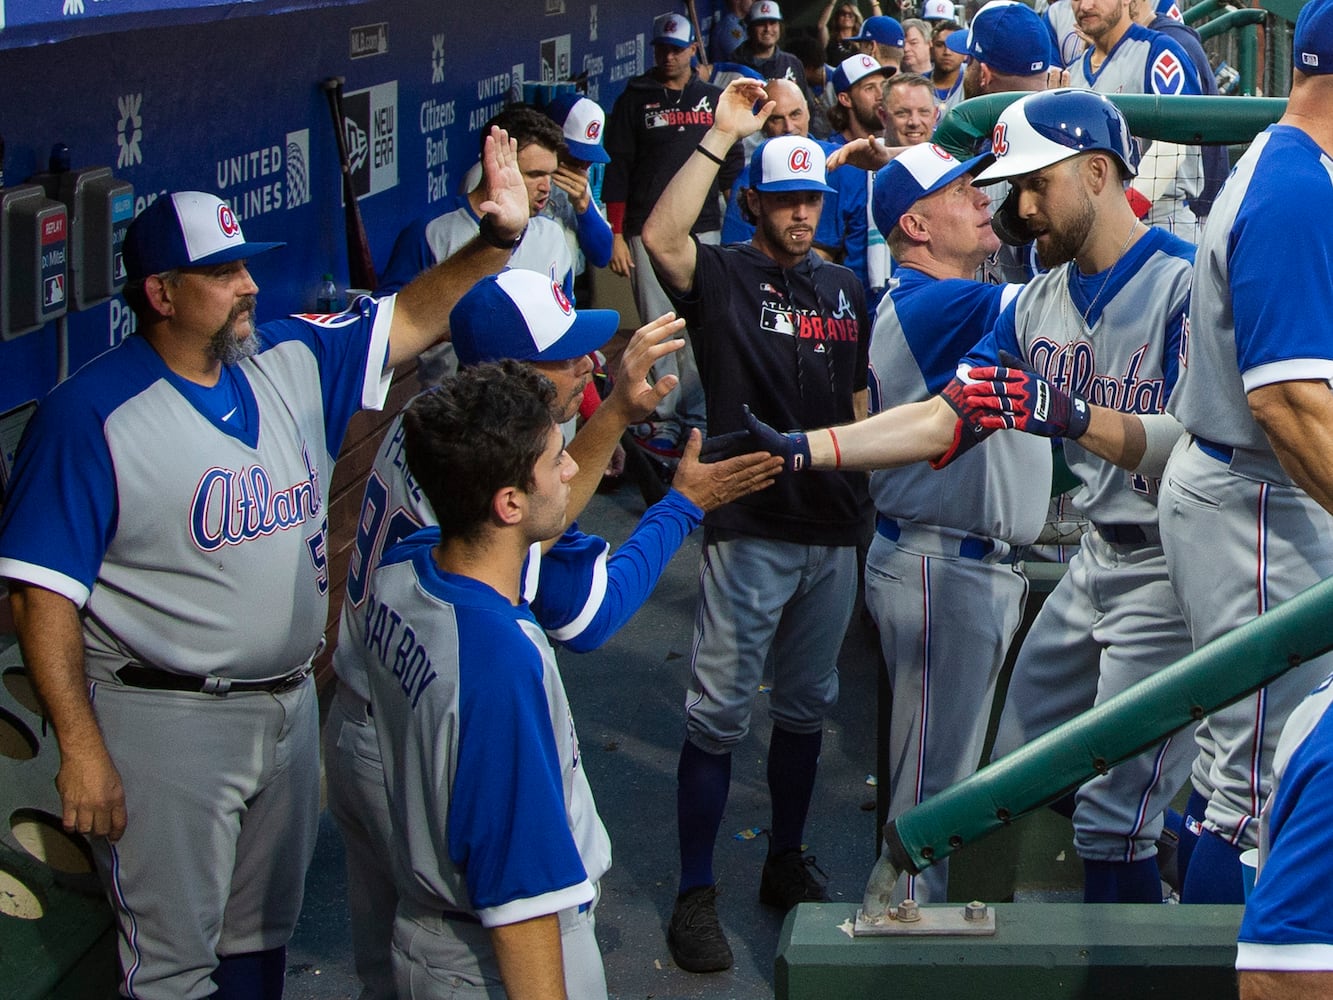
(437, 59)
(129, 130)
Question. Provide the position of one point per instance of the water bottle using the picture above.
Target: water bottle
(327, 299)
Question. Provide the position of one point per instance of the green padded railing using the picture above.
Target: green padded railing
(1220, 673)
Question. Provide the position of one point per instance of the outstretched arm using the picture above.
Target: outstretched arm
(666, 233)
(421, 310)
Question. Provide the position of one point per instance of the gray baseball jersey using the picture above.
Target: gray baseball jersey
(1240, 537)
(1150, 62)
(1113, 338)
(941, 581)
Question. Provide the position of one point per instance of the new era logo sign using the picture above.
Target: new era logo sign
(1309, 59)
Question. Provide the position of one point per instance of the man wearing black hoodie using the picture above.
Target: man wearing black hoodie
(777, 328)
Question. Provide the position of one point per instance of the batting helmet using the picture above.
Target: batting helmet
(1054, 125)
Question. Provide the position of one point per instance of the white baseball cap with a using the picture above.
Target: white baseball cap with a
(764, 10)
(938, 10)
(672, 29)
(788, 163)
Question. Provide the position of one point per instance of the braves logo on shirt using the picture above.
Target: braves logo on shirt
(1167, 74)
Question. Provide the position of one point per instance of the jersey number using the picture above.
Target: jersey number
(375, 532)
(319, 555)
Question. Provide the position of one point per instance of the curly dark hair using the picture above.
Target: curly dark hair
(476, 433)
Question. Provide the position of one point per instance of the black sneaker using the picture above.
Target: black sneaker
(787, 881)
(694, 935)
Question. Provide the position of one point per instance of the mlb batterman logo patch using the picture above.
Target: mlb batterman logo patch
(227, 221)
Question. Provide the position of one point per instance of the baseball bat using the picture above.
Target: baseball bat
(698, 35)
(360, 264)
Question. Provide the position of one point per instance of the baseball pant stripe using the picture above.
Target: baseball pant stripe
(133, 935)
(1141, 816)
(926, 646)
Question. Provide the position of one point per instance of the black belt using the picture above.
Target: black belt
(139, 676)
(1128, 534)
(1221, 452)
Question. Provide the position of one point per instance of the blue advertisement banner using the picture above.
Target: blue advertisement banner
(234, 107)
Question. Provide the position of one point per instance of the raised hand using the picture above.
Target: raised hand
(736, 115)
(506, 202)
(709, 485)
(631, 392)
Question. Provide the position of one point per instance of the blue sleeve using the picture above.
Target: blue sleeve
(584, 598)
(940, 328)
(1289, 904)
(594, 235)
(340, 344)
(734, 227)
(1003, 336)
(411, 255)
(508, 827)
(1290, 319)
(1170, 69)
(61, 511)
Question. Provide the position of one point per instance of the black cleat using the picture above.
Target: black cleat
(694, 935)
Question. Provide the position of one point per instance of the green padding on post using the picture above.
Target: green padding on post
(1220, 673)
(1232, 19)
(1188, 120)
(1038, 951)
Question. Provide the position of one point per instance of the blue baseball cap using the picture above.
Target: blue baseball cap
(1008, 37)
(911, 175)
(526, 316)
(185, 229)
(882, 29)
(854, 69)
(1170, 8)
(1312, 42)
(582, 121)
(788, 163)
(672, 29)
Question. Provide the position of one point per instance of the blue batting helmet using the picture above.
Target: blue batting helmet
(1054, 125)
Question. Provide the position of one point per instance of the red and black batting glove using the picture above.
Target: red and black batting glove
(969, 430)
(1014, 396)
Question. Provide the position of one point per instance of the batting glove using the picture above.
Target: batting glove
(969, 430)
(793, 449)
(1014, 396)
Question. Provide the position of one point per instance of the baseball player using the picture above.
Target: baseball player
(1285, 947)
(882, 39)
(580, 593)
(1069, 42)
(1127, 58)
(166, 544)
(582, 123)
(940, 577)
(777, 325)
(497, 846)
(1249, 486)
(1102, 330)
(761, 48)
(655, 126)
(427, 240)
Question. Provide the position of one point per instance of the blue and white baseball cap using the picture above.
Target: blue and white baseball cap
(582, 121)
(672, 29)
(911, 175)
(525, 315)
(938, 10)
(1049, 126)
(881, 29)
(1008, 37)
(185, 229)
(764, 10)
(854, 69)
(788, 163)
(1312, 43)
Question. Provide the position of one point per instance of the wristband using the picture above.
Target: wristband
(837, 452)
(710, 155)
(486, 229)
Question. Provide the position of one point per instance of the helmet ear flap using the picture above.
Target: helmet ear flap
(1007, 223)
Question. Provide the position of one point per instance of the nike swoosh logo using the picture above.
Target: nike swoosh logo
(229, 414)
